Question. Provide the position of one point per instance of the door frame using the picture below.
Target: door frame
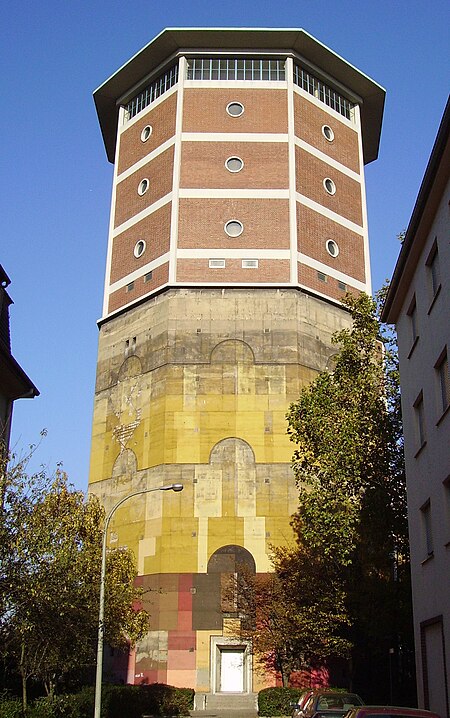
(219, 643)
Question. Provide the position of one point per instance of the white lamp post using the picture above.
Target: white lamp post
(101, 610)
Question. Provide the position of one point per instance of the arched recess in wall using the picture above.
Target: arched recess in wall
(232, 563)
(231, 559)
(132, 366)
(232, 451)
(232, 351)
(125, 464)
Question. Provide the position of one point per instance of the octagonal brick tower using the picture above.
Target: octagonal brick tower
(238, 221)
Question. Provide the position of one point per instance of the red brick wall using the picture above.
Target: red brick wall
(311, 172)
(266, 223)
(265, 165)
(154, 229)
(197, 270)
(308, 277)
(205, 110)
(313, 230)
(118, 299)
(160, 174)
(308, 123)
(162, 119)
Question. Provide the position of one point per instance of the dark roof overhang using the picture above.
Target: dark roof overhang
(173, 42)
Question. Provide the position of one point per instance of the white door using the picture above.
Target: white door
(232, 671)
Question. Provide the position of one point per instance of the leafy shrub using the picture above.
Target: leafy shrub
(277, 701)
(157, 699)
(10, 708)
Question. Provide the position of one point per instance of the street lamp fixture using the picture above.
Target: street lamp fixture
(101, 609)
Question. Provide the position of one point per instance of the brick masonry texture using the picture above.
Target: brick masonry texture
(311, 172)
(197, 270)
(161, 118)
(160, 174)
(118, 299)
(266, 223)
(265, 165)
(313, 230)
(205, 110)
(308, 122)
(154, 229)
(308, 277)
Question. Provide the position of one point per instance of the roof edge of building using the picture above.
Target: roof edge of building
(172, 41)
(410, 249)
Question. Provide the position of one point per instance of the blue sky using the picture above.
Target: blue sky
(56, 181)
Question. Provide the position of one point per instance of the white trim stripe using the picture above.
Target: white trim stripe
(112, 213)
(140, 115)
(238, 84)
(292, 173)
(142, 215)
(326, 269)
(149, 267)
(325, 212)
(234, 137)
(329, 160)
(234, 193)
(145, 160)
(176, 171)
(324, 107)
(233, 253)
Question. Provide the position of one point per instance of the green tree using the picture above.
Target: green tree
(351, 527)
(50, 560)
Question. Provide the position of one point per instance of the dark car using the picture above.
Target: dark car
(389, 712)
(330, 704)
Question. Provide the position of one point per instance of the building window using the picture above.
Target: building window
(249, 264)
(143, 186)
(446, 486)
(427, 528)
(216, 264)
(328, 133)
(234, 228)
(232, 68)
(434, 270)
(146, 132)
(139, 248)
(130, 287)
(151, 93)
(420, 420)
(235, 109)
(441, 367)
(412, 314)
(234, 164)
(332, 247)
(342, 286)
(321, 277)
(148, 276)
(329, 185)
(308, 82)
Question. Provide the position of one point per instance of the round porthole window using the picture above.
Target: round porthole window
(143, 186)
(235, 109)
(146, 132)
(139, 248)
(332, 247)
(328, 133)
(234, 228)
(329, 185)
(234, 164)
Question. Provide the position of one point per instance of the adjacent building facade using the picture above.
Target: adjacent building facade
(418, 303)
(238, 221)
(14, 383)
